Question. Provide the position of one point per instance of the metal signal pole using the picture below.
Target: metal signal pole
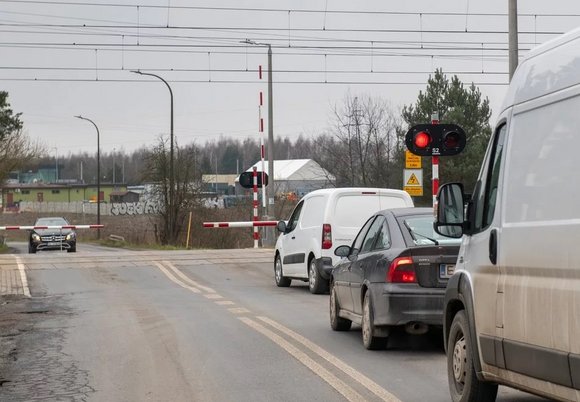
(513, 36)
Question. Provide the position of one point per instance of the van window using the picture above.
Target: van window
(542, 173)
(486, 191)
(313, 212)
(372, 235)
(293, 221)
(352, 209)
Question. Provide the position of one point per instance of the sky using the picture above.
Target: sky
(62, 58)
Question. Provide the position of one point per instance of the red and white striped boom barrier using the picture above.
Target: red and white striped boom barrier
(250, 224)
(255, 217)
(52, 227)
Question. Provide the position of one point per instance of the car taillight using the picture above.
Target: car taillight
(326, 236)
(402, 271)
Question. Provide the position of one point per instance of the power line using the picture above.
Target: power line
(278, 10)
(253, 82)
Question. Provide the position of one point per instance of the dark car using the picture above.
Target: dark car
(394, 274)
(52, 238)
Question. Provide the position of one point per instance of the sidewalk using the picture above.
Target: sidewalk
(11, 277)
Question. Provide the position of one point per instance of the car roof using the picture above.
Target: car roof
(400, 212)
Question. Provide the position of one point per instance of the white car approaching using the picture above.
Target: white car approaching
(322, 221)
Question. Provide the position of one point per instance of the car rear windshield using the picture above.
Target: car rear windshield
(421, 230)
(51, 222)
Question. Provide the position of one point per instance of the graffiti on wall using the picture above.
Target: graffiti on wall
(135, 208)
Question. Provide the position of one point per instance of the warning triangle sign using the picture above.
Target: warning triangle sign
(413, 181)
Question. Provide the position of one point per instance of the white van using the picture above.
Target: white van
(512, 308)
(322, 221)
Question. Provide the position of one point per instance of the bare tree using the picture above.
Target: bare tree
(359, 147)
(188, 185)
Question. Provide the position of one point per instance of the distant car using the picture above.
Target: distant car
(394, 274)
(52, 239)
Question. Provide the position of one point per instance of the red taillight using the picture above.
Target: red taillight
(326, 236)
(402, 271)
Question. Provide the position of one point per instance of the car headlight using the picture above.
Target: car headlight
(71, 236)
(35, 237)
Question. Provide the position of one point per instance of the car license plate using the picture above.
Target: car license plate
(54, 243)
(446, 270)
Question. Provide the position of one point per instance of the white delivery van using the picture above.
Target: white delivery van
(512, 308)
(322, 221)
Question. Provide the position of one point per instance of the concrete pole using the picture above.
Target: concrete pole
(513, 36)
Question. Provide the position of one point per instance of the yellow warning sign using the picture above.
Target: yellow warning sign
(414, 191)
(413, 181)
(412, 161)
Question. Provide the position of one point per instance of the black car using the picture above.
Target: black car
(50, 238)
(394, 274)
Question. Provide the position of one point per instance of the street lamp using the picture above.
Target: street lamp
(56, 163)
(98, 173)
(270, 209)
(171, 176)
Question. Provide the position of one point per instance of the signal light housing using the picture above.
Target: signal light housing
(247, 179)
(435, 139)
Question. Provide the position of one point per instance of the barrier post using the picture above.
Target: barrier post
(255, 204)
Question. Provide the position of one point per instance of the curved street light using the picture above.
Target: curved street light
(171, 172)
(98, 173)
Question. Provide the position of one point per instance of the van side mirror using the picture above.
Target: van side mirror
(450, 210)
(281, 226)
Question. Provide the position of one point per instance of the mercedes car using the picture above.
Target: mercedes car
(49, 234)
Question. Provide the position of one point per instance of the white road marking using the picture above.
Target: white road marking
(23, 279)
(238, 310)
(213, 296)
(225, 302)
(186, 278)
(369, 384)
(345, 390)
(174, 279)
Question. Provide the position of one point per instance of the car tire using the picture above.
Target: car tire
(316, 283)
(31, 249)
(73, 249)
(370, 341)
(337, 323)
(463, 383)
(281, 280)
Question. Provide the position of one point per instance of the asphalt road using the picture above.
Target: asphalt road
(116, 325)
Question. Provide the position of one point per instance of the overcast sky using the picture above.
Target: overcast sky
(63, 58)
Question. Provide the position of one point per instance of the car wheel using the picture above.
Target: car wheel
(316, 283)
(281, 280)
(370, 341)
(31, 249)
(337, 323)
(73, 249)
(463, 383)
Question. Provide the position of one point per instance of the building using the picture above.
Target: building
(219, 184)
(13, 194)
(298, 176)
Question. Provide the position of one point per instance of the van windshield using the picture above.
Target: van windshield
(421, 230)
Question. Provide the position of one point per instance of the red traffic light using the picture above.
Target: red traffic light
(422, 139)
(435, 139)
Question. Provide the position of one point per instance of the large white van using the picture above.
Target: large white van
(512, 308)
(322, 221)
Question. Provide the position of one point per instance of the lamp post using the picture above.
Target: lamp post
(269, 207)
(171, 172)
(98, 173)
(56, 163)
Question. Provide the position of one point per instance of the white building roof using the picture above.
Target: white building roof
(295, 169)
